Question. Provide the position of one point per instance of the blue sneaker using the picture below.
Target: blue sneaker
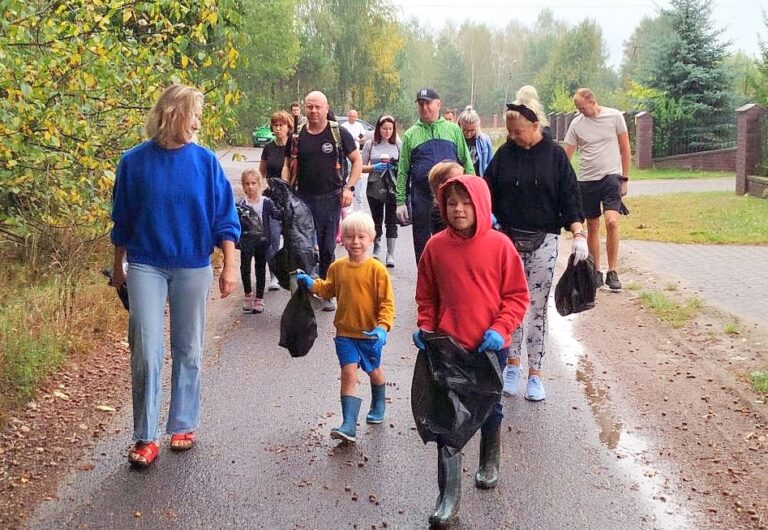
(512, 375)
(534, 391)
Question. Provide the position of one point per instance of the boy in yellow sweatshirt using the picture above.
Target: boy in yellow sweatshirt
(365, 313)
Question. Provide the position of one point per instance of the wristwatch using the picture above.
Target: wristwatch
(350, 188)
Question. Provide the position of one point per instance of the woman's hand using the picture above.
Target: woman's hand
(228, 280)
(228, 276)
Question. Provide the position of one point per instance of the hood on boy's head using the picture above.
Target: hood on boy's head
(481, 198)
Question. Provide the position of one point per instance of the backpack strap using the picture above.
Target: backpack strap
(340, 162)
(293, 162)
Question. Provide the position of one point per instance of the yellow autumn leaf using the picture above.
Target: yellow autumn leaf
(184, 61)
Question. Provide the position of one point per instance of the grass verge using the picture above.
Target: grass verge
(35, 340)
(668, 310)
(706, 218)
(760, 382)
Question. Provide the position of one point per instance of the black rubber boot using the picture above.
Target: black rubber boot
(449, 482)
(487, 476)
(350, 408)
(378, 405)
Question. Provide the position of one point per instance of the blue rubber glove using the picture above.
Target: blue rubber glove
(379, 334)
(491, 341)
(380, 167)
(417, 340)
(305, 280)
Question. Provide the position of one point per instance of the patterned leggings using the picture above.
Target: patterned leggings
(539, 270)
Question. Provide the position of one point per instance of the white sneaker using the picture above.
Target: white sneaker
(274, 285)
(512, 375)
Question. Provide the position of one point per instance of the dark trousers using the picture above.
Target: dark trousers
(258, 255)
(326, 211)
(421, 208)
(384, 212)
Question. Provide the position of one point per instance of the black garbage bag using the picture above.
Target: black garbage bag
(298, 327)
(298, 250)
(453, 391)
(576, 288)
(122, 291)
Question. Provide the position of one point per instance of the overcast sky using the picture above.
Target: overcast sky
(742, 20)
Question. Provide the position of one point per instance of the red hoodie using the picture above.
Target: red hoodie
(466, 286)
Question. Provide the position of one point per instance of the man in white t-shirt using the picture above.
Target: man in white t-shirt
(600, 135)
(357, 130)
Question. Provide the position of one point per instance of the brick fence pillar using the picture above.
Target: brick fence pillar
(644, 140)
(749, 143)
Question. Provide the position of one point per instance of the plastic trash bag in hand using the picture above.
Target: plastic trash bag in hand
(298, 327)
(453, 391)
(122, 291)
(576, 288)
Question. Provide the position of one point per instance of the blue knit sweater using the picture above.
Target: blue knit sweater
(171, 206)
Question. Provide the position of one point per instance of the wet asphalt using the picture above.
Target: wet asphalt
(265, 459)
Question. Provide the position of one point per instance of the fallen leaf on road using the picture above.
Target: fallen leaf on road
(105, 408)
(59, 394)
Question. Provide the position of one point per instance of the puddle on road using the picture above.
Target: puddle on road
(630, 449)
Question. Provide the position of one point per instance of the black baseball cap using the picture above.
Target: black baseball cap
(426, 94)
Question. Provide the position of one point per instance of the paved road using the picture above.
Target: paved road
(265, 460)
(730, 277)
(659, 187)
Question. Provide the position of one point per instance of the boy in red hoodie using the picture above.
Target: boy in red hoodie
(478, 302)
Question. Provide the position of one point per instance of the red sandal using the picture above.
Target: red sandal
(183, 441)
(143, 454)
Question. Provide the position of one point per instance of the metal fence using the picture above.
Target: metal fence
(706, 132)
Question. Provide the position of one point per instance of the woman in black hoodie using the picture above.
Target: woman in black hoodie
(534, 194)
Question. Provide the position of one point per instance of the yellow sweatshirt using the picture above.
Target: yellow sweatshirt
(363, 294)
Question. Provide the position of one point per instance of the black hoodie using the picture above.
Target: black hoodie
(534, 189)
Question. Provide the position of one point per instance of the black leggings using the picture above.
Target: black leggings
(384, 211)
(259, 255)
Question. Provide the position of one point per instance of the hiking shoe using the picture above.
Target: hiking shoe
(329, 305)
(248, 303)
(534, 390)
(512, 379)
(258, 305)
(599, 280)
(612, 281)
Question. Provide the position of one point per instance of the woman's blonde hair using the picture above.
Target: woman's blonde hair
(174, 107)
(440, 172)
(358, 222)
(528, 96)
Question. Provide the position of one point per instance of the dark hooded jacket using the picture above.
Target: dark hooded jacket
(467, 285)
(534, 189)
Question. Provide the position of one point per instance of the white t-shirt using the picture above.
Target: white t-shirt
(355, 129)
(596, 139)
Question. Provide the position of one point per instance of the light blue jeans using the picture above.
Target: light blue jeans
(186, 291)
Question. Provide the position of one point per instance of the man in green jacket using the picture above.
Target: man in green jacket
(431, 140)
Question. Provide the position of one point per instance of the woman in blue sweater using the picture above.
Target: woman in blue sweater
(172, 204)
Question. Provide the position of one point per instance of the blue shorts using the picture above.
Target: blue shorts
(362, 352)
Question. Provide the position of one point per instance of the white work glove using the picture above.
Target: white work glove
(580, 250)
(402, 214)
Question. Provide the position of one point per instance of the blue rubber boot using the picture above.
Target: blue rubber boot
(376, 414)
(350, 408)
